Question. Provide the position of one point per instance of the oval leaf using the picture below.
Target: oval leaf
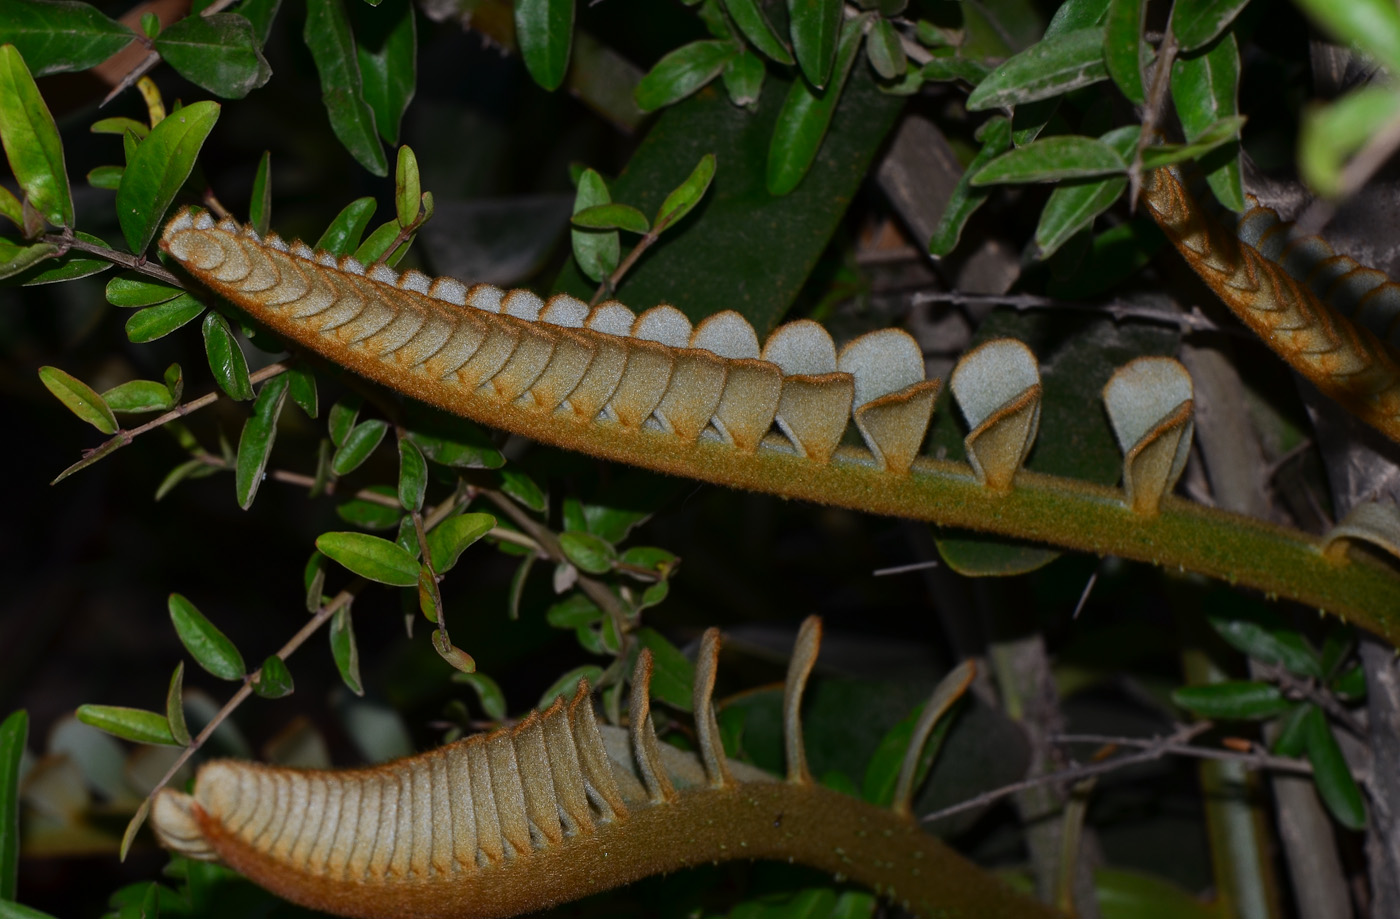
(1335, 784)
(58, 36)
(488, 693)
(1048, 68)
(748, 16)
(175, 707)
(597, 252)
(80, 398)
(370, 557)
(1247, 700)
(449, 539)
(1196, 23)
(345, 651)
(210, 648)
(127, 291)
(274, 680)
(544, 30)
(815, 26)
(255, 443)
(612, 217)
(218, 52)
(226, 359)
(137, 396)
(1261, 635)
(327, 35)
(158, 321)
(413, 475)
(359, 444)
(681, 73)
(588, 552)
(386, 46)
(31, 141)
(157, 169)
(133, 724)
(1053, 159)
(686, 195)
(345, 232)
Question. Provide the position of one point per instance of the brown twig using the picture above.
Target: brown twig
(66, 241)
(1152, 111)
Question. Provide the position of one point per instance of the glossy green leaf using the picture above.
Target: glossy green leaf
(16, 259)
(449, 539)
(345, 651)
(59, 268)
(883, 769)
(1332, 134)
(681, 73)
(672, 674)
(573, 612)
(567, 684)
(371, 515)
(1205, 90)
(157, 169)
(449, 440)
(1222, 132)
(341, 419)
(524, 490)
(274, 680)
(413, 475)
(260, 203)
(57, 36)
(343, 235)
(80, 399)
(1044, 70)
(544, 30)
(749, 17)
(255, 443)
(31, 141)
(11, 208)
(1233, 700)
(158, 321)
(488, 693)
(597, 252)
(1332, 775)
(688, 194)
(225, 355)
(884, 50)
(128, 290)
(132, 724)
(135, 396)
(612, 217)
(1072, 206)
(407, 187)
(1197, 23)
(375, 246)
(805, 117)
(370, 557)
(1292, 739)
(815, 27)
(108, 178)
(119, 126)
(743, 77)
(217, 52)
(14, 735)
(588, 552)
(1261, 634)
(303, 389)
(327, 34)
(362, 440)
(209, 647)
(1053, 159)
(1123, 47)
(261, 14)
(386, 46)
(175, 707)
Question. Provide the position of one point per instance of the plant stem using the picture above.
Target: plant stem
(66, 241)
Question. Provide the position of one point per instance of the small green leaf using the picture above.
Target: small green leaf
(652, 558)
(681, 73)
(159, 321)
(488, 693)
(1123, 47)
(217, 52)
(588, 552)
(274, 680)
(58, 36)
(157, 169)
(1292, 739)
(14, 735)
(209, 647)
(450, 440)
(128, 291)
(67, 267)
(1221, 132)
(370, 557)
(260, 13)
(1335, 784)
(743, 79)
(1046, 69)
(413, 475)
(362, 440)
(31, 141)
(573, 612)
(343, 235)
(341, 420)
(345, 651)
(1205, 90)
(1197, 23)
(686, 195)
(884, 50)
(1260, 634)
(137, 396)
(1053, 159)
(175, 707)
(303, 389)
(449, 539)
(748, 16)
(1234, 700)
(672, 674)
(597, 252)
(1351, 684)
(524, 490)
(815, 26)
(612, 217)
(108, 178)
(260, 204)
(544, 29)
(386, 46)
(255, 443)
(460, 660)
(80, 399)
(1074, 205)
(883, 769)
(327, 34)
(11, 208)
(567, 684)
(378, 243)
(133, 724)
(16, 259)
(313, 578)
(226, 359)
(370, 515)
(407, 190)
(805, 116)
(119, 126)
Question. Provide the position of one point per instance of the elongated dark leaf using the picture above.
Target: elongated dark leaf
(359, 444)
(1196, 23)
(1332, 775)
(1073, 206)
(56, 36)
(260, 204)
(128, 291)
(672, 674)
(132, 724)
(157, 169)
(1222, 132)
(209, 647)
(1044, 70)
(80, 398)
(884, 50)
(31, 141)
(345, 651)
(158, 321)
(1122, 47)
(327, 35)
(1292, 737)
(588, 552)
(16, 259)
(226, 357)
(64, 267)
(413, 475)
(14, 734)
(544, 30)
(386, 45)
(219, 52)
(1052, 160)
(1243, 700)
(1260, 634)
(596, 251)
(612, 217)
(303, 389)
(805, 117)
(748, 16)
(175, 707)
(370, 557)
(682, 72)
(815, 26)
(343, 235)
(743, 79)
(1205, 90)
(255, 443)
(260, 13)
(688, 194)
(524, 490)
